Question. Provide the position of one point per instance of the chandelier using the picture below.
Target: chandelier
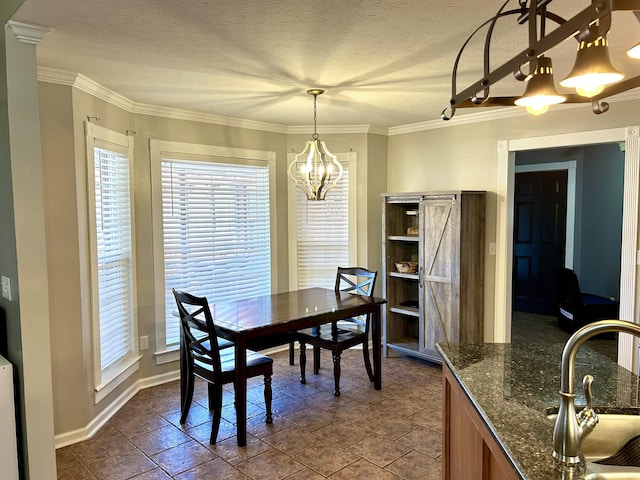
(315, 170)
(593, 76)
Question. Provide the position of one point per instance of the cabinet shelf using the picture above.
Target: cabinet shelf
(402, 310)
(404, 238)
(409, 276)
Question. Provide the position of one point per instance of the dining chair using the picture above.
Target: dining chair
(205, 359)
(350, 332)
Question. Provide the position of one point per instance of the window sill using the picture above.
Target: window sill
(128, 368)
(169, 355)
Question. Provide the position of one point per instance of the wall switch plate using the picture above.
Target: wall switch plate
(6, 288)
(492, 248)
(144, 343)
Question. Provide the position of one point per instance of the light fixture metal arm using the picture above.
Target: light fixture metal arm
(598, 9)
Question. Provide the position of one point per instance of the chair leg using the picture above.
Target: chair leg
(336, 373)
(216, 393)
(303, 362)
(267, 397)
(292, 353)
(188, 396)
(367, 360)
(316, 360)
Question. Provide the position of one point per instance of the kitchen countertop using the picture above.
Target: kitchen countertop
(514, 387)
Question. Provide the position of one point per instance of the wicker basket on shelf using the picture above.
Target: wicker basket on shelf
(407, 267)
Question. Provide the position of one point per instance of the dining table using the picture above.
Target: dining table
(247, 321)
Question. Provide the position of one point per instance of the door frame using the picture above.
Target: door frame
(627, 344)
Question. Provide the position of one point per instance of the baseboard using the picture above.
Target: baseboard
(85, 433)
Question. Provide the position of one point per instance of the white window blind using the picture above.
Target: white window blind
(110, 264)
(216, 232)
(322, 229)
(114, 255)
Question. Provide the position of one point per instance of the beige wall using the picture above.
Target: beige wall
(465, 157)
(64, 110)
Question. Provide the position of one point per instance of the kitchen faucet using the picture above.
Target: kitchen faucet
(571, 428)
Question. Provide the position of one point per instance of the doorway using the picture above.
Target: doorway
(630, 139)
(545, 213)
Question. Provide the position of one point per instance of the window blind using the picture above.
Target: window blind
(216, 233)
(114, 255)
(323, 235)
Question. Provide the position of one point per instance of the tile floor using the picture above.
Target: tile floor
(390, 434)
(394, 433)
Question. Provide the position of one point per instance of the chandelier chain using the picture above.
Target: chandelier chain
(315, 118)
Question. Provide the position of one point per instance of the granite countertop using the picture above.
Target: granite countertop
(515, 386)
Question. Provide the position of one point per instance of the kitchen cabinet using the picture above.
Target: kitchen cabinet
(442, 236)
(469, 449)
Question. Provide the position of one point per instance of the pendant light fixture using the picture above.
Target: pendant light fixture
(593, 76)
(592, 70)
(541, 91)
(315, 170)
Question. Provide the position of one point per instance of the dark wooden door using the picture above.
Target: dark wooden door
(539, 233)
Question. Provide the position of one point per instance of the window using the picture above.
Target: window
(322, 233)
(212, 228)
(112, 261)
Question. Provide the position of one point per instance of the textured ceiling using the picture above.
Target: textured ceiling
(382, 62)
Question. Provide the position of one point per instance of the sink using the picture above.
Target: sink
(613, 431)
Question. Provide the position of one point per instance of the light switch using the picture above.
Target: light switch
(492, 248)
(6, 288)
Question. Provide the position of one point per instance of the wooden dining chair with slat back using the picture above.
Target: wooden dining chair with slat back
(204, 359)
(335, 337)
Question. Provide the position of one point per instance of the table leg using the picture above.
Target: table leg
(241, 390)
(376, 334)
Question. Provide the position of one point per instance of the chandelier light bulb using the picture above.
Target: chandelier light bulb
(634, 52)
(537, 109)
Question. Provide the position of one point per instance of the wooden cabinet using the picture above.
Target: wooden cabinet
(470, 450)
(443, 300)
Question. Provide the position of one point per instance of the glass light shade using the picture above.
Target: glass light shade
(541, 91)
(315, 170)
(593, 69)
(634, 52)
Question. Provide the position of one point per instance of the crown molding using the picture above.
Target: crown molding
(28, 33)
(494, 113)
(85, 84)
(178, 114)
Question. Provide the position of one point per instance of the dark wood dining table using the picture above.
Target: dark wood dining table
(247, 321)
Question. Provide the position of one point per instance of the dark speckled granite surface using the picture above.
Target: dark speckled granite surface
(514, 386)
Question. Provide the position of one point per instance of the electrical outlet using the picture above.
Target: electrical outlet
(6, 288)
(144, 343)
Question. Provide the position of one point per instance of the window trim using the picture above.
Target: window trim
(192, 151)
(349, 160)
(106, 382)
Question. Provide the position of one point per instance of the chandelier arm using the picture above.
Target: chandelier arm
(454, 72)
(487, 49)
